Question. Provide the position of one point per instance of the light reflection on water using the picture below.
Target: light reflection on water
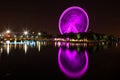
(21, 45)
(38, 45)
(25, 45)
(25, 48)
(72, 58)
(8, 48)
(72, 63)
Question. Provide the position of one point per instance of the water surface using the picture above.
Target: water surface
(59, 61)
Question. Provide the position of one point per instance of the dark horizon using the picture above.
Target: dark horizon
(44, 15)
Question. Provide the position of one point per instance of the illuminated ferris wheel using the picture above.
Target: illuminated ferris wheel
(74, 19)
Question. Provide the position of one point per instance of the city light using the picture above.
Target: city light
(25, 32)
(8, 31)
(39, 33)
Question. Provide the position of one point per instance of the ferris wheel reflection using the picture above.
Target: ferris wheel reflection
(72, 63)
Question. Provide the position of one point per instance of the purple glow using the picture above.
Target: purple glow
(72, 63)
(73, 19)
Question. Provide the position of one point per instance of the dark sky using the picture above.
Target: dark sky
(43, 15)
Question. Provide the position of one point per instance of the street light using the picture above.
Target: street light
(8, 31)
(25, 32)
(39, 33)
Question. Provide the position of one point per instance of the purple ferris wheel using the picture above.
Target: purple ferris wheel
(74, 19)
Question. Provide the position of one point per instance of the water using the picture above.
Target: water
(59, 61)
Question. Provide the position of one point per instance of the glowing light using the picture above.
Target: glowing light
(38, 45)
(31, 43)
(15, 44)
(21, 42)
(33, 32)
(67, 45)
(8, 42)
(72, 63)
(8, 31)
(73, 19)
(39, 33)
(8, 48)
(25, 48)
(55, 44)
(59, 43)
(25, 32)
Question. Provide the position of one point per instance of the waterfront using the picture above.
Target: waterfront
(59, 61)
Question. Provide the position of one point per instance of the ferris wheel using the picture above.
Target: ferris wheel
(73, 20)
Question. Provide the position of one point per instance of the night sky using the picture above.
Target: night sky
(43, 15)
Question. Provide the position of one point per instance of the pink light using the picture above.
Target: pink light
(72, 63)
(74, 19)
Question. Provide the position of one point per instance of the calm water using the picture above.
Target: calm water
(59, 61)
